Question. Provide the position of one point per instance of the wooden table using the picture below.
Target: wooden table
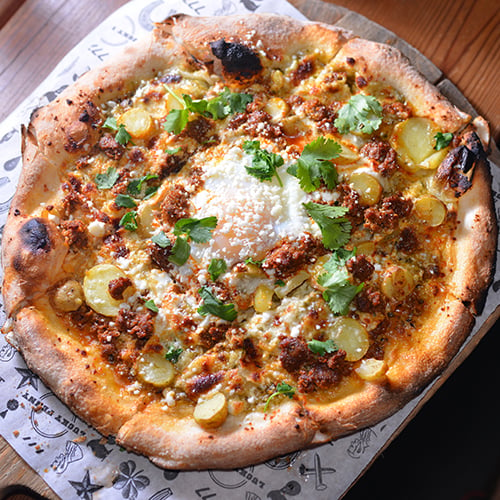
(462, 37)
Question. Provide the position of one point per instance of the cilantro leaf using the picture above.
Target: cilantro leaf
(339, 291)
(173, 354)
(251, 260)
(129, 221)
(314, 166)
(442, 140)
(281, 388)
(110, 123)
(338, 298)
(198, 230)
(180, 251)
(122, 136)
(212, 305)
(124, 200)
(150, 304)
(279, 283)
(161, 240)
(264, 164)
(362, 113)
(107, 180)
(173, 151)
(216, 268)
(335, 229)
(176, 121)
(321, 348)
(217, 108)
(134, 187)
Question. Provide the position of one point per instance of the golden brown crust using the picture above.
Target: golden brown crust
(383, 63)
(33, 250)
(73, 370)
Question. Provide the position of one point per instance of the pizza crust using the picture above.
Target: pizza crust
(57, 135)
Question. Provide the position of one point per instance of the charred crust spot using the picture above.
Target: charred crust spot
(361, 82)
(350, 61)
(457, 162)
(17, 212)
(35, 236)
(236, 58)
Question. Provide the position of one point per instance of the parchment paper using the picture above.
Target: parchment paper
(69, 455)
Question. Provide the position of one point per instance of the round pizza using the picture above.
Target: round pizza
(244, 236)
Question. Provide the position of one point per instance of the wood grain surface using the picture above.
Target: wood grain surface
(461, 39)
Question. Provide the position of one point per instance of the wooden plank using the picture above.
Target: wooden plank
(7, 9)
(38, 36)
(15, 471)
(316, 10)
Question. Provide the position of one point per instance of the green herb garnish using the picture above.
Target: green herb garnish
(339, 292)
(107, 180)
(264, 164)
(180, 251)
(314, 166)
(125, 201)
(129, 221)
(321, 348)
(173, 354)
(279, 283)
(442, 140)
(134, 187)
(122, 136)
(110, 123)
(251, 260)
(198, 230)
(161, 239)
(172, 151)
(281, 388)
(335, 228)
(150, 304)
(362, 113)
(216, 268)
(217, 108)
(212, 305)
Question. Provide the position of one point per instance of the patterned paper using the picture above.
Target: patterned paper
(72, 457)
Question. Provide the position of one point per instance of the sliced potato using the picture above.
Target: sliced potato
(291, 284)
(263, 299)
(316, 271)
(137, 122)
(211, 412)
(397, 283)
(371, 369)
(368, 188)
(96, 289)
(434, 160)
(154, 369)
(430, 210)
(351, 336)
(365, 248)
(346, 156)
(277, 108)
(413, 140)
(69, 296)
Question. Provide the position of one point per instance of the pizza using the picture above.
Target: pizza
(244, 236)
